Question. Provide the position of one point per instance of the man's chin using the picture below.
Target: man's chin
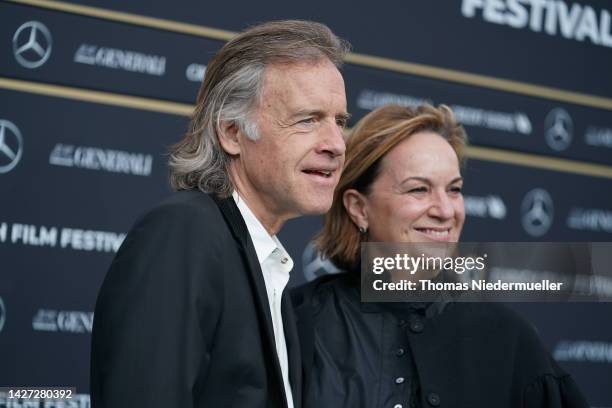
(316, 208)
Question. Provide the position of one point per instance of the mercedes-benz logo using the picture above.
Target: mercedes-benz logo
(11, 146)
(559, 129)
(32, 44)
(538, 211)
(2, 314)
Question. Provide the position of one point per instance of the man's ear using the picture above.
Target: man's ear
(356, 205)
(228, 137)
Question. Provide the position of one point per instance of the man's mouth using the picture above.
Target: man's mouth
(320, 172)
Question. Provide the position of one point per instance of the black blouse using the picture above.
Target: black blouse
(421, 355)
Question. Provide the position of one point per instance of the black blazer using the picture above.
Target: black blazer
(182, 318)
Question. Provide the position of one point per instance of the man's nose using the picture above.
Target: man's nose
(332, 140)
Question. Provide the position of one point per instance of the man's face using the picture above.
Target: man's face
(294, 165)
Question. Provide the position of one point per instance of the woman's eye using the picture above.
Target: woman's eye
(456, 190)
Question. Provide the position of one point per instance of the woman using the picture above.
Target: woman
(402, 183)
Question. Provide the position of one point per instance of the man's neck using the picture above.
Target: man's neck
(271, 222)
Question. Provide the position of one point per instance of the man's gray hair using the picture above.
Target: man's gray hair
(231, 89)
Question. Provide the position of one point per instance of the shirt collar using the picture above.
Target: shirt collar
(263, 242)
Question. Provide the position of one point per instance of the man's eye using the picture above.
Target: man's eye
(341, 123)
(307, 121)
(418, 190)
(456, 189)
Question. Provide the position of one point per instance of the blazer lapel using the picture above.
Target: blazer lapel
(305, 331)
(293, 349)
(232, 215)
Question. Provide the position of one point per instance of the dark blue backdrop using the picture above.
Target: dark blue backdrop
(92, 93)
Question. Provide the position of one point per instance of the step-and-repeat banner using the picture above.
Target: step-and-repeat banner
(93, 92)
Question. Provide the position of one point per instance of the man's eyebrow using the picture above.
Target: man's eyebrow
(317, 113)
(306, 112)
(344, 116)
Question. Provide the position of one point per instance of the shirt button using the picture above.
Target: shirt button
(416, 325)
(399, 380)
(400, 352)
(397, 406)
(284, 260)
(433, 399)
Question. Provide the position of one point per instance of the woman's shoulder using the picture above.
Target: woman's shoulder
(325, 287)
(492, 317)
(496, 326)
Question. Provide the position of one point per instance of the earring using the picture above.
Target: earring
(363, 230)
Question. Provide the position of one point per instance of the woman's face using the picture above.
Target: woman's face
(416, 196)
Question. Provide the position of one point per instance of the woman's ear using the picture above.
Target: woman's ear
(228, 137)
(356, 205)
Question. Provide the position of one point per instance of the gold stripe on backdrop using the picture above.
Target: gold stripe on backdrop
(427, 71)
(482, 81)
(130, 18)
(539, 162)
(473, 152)
(106, 98)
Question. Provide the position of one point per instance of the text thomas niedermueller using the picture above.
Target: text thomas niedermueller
(474, 284)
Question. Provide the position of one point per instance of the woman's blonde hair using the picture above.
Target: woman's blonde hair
(372, 138)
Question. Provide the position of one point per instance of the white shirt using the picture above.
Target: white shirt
(275, 264)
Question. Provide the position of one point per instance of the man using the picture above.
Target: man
(192, 312)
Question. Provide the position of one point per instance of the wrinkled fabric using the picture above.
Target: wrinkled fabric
(454, 354)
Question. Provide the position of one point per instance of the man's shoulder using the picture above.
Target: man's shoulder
(187, 226)
(191, 205)
(182, 215)
(190, 201)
